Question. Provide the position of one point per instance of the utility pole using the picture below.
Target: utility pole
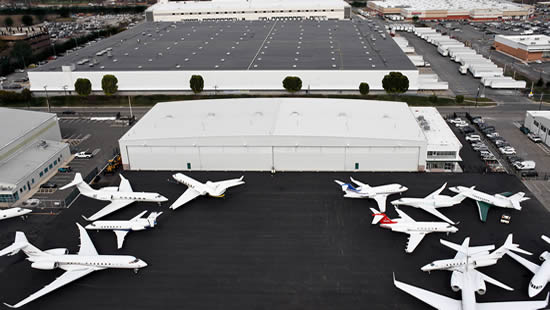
(130, 105)
(47, 98)
(540, 103)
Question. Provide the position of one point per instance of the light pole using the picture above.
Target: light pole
(130, 105)
(477, 95)
(65, 89)
(540, 103)
(47, 98)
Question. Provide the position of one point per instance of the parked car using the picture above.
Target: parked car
(456, 120)
(533, 137)
(505, 219)
(473, 138)
(466, 130)
(529, 173)
(85, 155)
(492, 135)
(524, 165)
(463, 124)
(489, 129)
(31, 202)
(65, 169)
(524, 129)
(48, 185)
(507, 150)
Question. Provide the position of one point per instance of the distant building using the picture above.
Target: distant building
(524, 47)
(30, 149)
(37, 36)
(453, 10)
(171, 11)
(538, 123)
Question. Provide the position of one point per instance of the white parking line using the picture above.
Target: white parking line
(96, 151)
(544, 148)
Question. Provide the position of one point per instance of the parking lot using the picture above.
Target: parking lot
(284, 241)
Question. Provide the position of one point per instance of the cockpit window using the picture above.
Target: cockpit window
(134, 261)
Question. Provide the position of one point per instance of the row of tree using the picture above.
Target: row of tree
(65, 11)
(27, 20)
(393, 83)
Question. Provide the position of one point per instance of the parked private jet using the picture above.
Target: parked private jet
(405, 224)
(14, 212)
(76, 266)
(431, 202)
(196, 188)
(122, 228)
(378, 193)
(541, 272)
(485, 201)
(120, 196)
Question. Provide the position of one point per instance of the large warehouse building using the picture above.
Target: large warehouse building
(524, 47)
(282, 134)
(478, 10)
(229, 10)
(538, 123)
(30, 149)
(234, 56)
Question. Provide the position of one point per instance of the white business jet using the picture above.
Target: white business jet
(196, 188)
(76, 266)
(120, 196)
(122, 228)
(405, 224)
(485, 201)
(431, 202)
(378, 193)
(14, 212)
(541, 272)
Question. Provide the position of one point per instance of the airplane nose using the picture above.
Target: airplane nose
(532, 292)
(142, 264)
(425, 268)
(163, 199)
(404, 188)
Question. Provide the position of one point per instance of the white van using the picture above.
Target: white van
(525, 165)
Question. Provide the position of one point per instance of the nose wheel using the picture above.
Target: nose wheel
(136, 270)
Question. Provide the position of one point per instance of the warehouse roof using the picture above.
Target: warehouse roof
(16, 123)
(543, 114)
(241, 45)
(254, 119)
(450, 5)
(438, 134)
(244, 4)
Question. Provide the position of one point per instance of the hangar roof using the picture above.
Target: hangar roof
(241, 45)
(293, 121)
(16, 123)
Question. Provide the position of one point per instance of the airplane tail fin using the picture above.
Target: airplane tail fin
(516, 199)
(360, 184)
(21, 244)
(79, 183)
(509, 245)
(152, 218)
(378, 216)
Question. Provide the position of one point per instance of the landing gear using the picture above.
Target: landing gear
(136, 270)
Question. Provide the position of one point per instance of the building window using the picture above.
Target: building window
(55, 162)
(41, 173)
(51, 166)
(536, 123)
(46, 170)
(356, 166)
(542, 128)
(189, 166)
(20, 190)
(32, 180)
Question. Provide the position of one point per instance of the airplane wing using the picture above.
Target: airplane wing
(120, 235)
(86, 245)
(494, 282)
(182, 178)
(187, 196)
(513, 305)
(229, 183)
(66, 278)
(483, 209)
(437, 192)
(358, 183)
(124, 185)
(546, 239)
(404, 215)
(438, 214)
(466, 249)
(527, 264)
(433, 299)
(414, 241)
(110, 208)
(381, 201)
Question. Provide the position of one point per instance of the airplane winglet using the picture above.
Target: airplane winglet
(8, 305)
(546, 239)
(85, 218)
(339, 182)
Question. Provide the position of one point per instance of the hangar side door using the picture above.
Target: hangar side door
(308, 158)
(163, 157)
(382, 158)
(223, 158)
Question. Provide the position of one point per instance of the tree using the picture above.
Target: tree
(196, 83)
(540, 82)
(433, 98)
(364, 88)
(8, 21)
(109, 84)
(22, 51)
(26, 94)
(415, 18)
(83, 87)
(27, 20)
(395, 83)
(459, 99)
(292, 83)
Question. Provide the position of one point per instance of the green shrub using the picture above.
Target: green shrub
(364, 88)
(395, 83)
(433, 98)
(196, 83)
(83, 87)
(292, 83)
(109, 84)
(459, 99)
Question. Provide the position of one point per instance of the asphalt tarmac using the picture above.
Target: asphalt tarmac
(282, 241)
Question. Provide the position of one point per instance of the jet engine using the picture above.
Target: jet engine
(480, 286)
(44, 265)
(457, 279)
(484, 262)
(57, 251)
(544, 256)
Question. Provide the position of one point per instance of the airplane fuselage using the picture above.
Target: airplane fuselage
(486, 198)
(135, 196)
(423, 227)
(460, 263)
(442, 201)
(13, 212)
(360, 192)
(540, 279)
(140, 224)
(96, 261)
(468, 292)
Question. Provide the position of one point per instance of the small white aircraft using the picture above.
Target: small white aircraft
(14, 212)
(122, 228)
(468, 258)
(431, 202)
(485, 201)
(468, 301)
(196, 188)
(76, 266)
(405, 224)
(120, 196)
(378, 193)
(541, 273)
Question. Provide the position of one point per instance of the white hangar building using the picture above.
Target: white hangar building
(280, 134)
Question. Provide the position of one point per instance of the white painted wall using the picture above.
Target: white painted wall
(162, 16)
(220, 80)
